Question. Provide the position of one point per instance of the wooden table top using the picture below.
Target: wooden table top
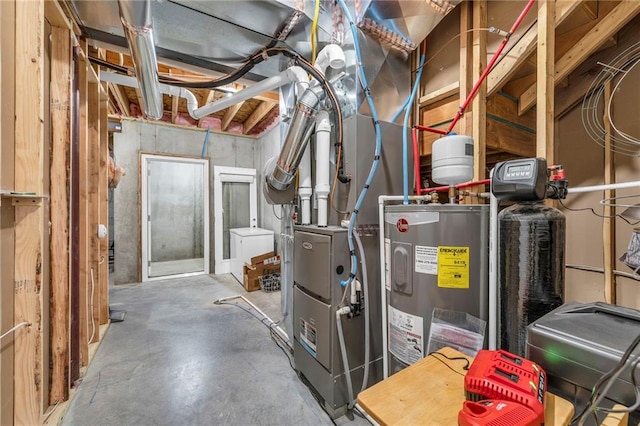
(430, 393)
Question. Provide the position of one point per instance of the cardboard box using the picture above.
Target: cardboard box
(267, 263)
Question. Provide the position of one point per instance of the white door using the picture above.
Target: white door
(234, 206)
(175, 216)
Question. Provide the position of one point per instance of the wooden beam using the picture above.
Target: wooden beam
(121, 99)
(59, 210)
(545, 82)
(55, 15)
(230, 114)
(174, 108)
(210, 97)
(509, 65)
(440, 94)
(607, 27)
(29, 177)
(139, 98)
(479, 103)
(257, 115)
(609, 223)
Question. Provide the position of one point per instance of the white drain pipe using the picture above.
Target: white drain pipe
(304, 188)
(323, 148)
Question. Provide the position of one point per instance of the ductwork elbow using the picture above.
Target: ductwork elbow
(331, 56)
(296, 139)
(137, 24)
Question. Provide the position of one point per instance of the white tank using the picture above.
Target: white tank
(452, 160)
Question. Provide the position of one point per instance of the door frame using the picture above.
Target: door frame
(145, 245)
(223, 174)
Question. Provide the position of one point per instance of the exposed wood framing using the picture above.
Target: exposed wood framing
(121, 99)
(93, 170)
(29, 167)
(230, 114)
(509, 65)
(7, 232)
(609, 223)
(607, 27)
(174, 107)
(545, 80)
(466, 58)
(103, 192)
(83, 200)
(440, 94)
(479, 103)
(257, 115)
(210, 97)
(55, 15)
(59, 195)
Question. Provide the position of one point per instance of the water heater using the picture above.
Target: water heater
(436, 257)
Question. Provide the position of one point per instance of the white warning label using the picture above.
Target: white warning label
(308, 337)
(387, 263)
(406, 336)
(426, 260)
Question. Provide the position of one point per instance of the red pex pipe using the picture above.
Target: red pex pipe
(430, 129)
(416, 159)
(459, 186)
(490, 65)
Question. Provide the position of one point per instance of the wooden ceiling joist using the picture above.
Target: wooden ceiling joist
(230, 114)
(121, 99)
(257, 115)
(606, 28)
(507, 67)
(174, 108)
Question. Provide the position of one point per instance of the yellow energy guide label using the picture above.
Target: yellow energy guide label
(453, 267)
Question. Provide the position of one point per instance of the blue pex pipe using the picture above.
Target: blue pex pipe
(378, 149)
(405, 142)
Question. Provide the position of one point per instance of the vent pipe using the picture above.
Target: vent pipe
(137, 24)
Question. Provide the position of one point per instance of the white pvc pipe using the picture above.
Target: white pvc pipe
(290, 75)
(493, 270)
(304, 188)
(594, 188)
(331, 56)
(323, 148)
(382, 199)
(283, 334)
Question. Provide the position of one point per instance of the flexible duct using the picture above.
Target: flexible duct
(296, 139)
(323, 148)
(137, 24)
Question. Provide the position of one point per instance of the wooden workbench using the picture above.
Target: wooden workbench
(429, 393)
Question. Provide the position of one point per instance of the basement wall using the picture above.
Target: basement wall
(153, 138)
(583, 160)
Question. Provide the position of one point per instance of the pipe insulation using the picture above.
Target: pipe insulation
(138, 29)
(323, 153)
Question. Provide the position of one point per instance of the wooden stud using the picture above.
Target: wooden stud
(525, 46)
(83, 200)
(93, 169)
(59, 199)
(29, 168)
(55, 15)
(103, 191)
(257, 115)
(545, 80)
(229, 114)
(7, 232)
(466, 58)
(479, 104)
(440, 94)
(174, 108)
(608, 26)
(609, 223)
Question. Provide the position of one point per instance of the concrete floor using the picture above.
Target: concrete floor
(179, 359)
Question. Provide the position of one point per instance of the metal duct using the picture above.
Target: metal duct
(137, 24)
(297, 137)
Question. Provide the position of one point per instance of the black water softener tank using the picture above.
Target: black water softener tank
(531, 268)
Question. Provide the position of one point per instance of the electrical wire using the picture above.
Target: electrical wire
(456, 358)
(378, 147)
(609, 378)
(335, 182)
(634, 383)
(14, 328)
(589, 209)
(314, 30)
